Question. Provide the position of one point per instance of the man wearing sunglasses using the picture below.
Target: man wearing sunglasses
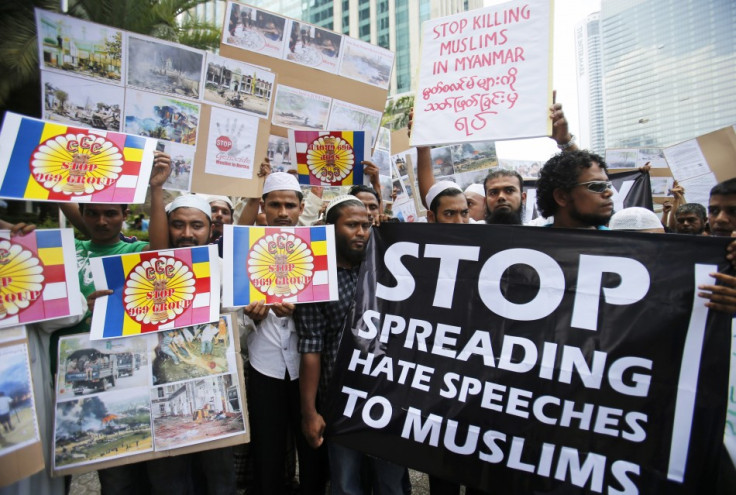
(574, 188)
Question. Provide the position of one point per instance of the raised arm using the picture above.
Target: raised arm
(158, 229)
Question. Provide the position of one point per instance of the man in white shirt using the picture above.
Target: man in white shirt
(273, 385)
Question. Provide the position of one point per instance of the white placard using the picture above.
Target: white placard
(485, 75)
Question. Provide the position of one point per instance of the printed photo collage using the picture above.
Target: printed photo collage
(155, 392)
(105, 78)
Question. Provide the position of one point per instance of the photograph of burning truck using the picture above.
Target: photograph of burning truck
(102, 427)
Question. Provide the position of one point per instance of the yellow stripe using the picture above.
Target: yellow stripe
(201, 270)
(303, 169)
(34, 190)
(133, 154)
(256, 295)
(51, 130)
(130, 326)
(51, 256)
(254, 234)
(129, 262)
(319, 248)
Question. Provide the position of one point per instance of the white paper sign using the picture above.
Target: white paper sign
(485, 75)
(231, 144)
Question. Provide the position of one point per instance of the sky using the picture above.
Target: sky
(567, 14)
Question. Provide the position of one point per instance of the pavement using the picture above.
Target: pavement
(89, 484)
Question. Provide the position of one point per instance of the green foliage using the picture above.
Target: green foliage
(20, 81)
(396, 113)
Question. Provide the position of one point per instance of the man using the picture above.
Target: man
(504, 197)
(690, 219)
(273, 370)
(447, 203)
(722, 208)
(190, 221)
(372, 201)
(319, 327)
(476, 196)
(574, 188)
(222, 214)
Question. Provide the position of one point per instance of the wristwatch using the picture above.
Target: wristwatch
(568, 144)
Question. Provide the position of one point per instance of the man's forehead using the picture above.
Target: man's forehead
(457, 201)
(101, 207)
(282, 195)
(354, 212)
(219, 204)
(186, 213)
(503, 181)
(722, 199)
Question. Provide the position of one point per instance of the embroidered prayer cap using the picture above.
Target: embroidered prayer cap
(342, 199)
(216, 197)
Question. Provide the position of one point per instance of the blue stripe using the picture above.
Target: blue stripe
(241, 283)
(358, 143)
(19, 167)
(115, 308)
(48, 238)
(317, 234)
(200, 254)
(135, 142)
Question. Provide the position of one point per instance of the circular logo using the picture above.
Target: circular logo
(224, 143)
(77, 164)
(330, 159)
(21, 279)
(158, 290)
(280, 265)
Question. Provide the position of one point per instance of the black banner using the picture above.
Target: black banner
(536, 360)
(631, 188)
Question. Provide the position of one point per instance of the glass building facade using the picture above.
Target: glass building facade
(590, 84)
(669, 69)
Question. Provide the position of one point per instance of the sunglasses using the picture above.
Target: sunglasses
(597, 186)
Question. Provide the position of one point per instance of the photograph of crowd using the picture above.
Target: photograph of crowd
(254, 30)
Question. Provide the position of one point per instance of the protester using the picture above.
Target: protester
(504, 197)
(319, 326)
(476, 196)
(273, 374)
(574, 188)
(222, 214)
(690, 218)
(447, 203)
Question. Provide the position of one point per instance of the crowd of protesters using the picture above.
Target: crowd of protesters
(291, 349)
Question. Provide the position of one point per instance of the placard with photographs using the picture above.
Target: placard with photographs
(231, 144)
(383, 142)
(345, 116)
(164, 67)
(161, 117)
(279, 154)
(442, 161)
(298, 109)
(79, 47)
(85, 102)
(366, 63)
(146, 393)
(238, 86)
(182, 161)
(312, 46)
(253, 29)
(18, 423)
(661, 186)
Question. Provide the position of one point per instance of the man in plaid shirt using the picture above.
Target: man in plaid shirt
(319, 327)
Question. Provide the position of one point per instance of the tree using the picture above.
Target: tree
(396, 113)
(20, 88)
